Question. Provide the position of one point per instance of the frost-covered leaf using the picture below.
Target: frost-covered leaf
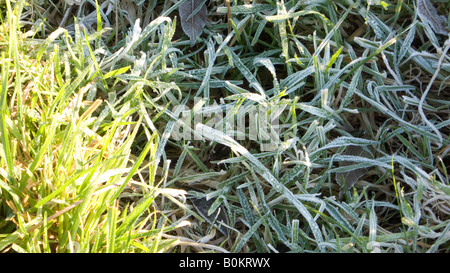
(203, 205)
(349, 178)
(429, 15)
(73, 2)
(193, 15)
(258, 167)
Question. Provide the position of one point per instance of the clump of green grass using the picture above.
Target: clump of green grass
(88, 162)
(69, 156)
